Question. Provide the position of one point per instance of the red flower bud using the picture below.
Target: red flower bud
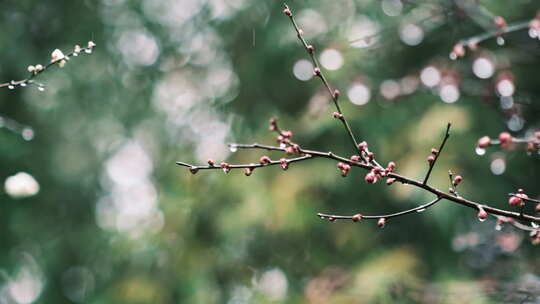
(458, 50)
(193, 170)
(265, 160)
(310, 48)
(210, 162)
(370, 178)
(515, 201)
(483, 142)
(362, 146)
(284, 163)
(500, 22)
(226, 167)
(505, 139)
(482, 214)
(337, 115)
(289, 150)
(287, 11)
(357, 217)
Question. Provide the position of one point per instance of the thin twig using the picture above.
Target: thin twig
(385, 216)
(432, 164)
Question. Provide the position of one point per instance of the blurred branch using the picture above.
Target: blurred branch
(432, 159)
(57, 58)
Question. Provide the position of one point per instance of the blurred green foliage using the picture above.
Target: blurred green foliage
(116, 221)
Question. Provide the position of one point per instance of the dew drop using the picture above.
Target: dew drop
(498, 227)
(452, 56)
(481, 219)
(23, 84)
(421, 210)
(27, 134)
(41, 89)
(533, 33)
(500, 41)
(233, 148)
(11, 87)
(480, 151)
(88, 51)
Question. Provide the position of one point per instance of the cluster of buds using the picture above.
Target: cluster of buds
(345, 168)
(518, 199)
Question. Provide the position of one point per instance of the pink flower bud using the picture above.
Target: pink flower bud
(193, 170)
(458, 50)
(391, 166)
(370, 156)
(362, 146)
(515, 201)
(537, 134)
(210, 162)
(289, 150)
(287, 133)
(357, 217)
(337, 115)
(390, 181)
(457, 180)
(296, 148)
(317, 72)
(310, 48)
(483, 142)
(355, 158)
(434, 151)
(265, 160)
(370, 178)
(226, 167)
(287, 12)
(505, 139)
(345, 170)
(430, 159)
(537, 208)
(500, 22)
(482, 214)
(336, 94)
(530, 146)
(248, 171)
(381, 222)
(284, 163)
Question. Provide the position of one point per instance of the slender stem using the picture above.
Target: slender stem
(252, 165)
(374, 217)
(496, 33)
(432, 164)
